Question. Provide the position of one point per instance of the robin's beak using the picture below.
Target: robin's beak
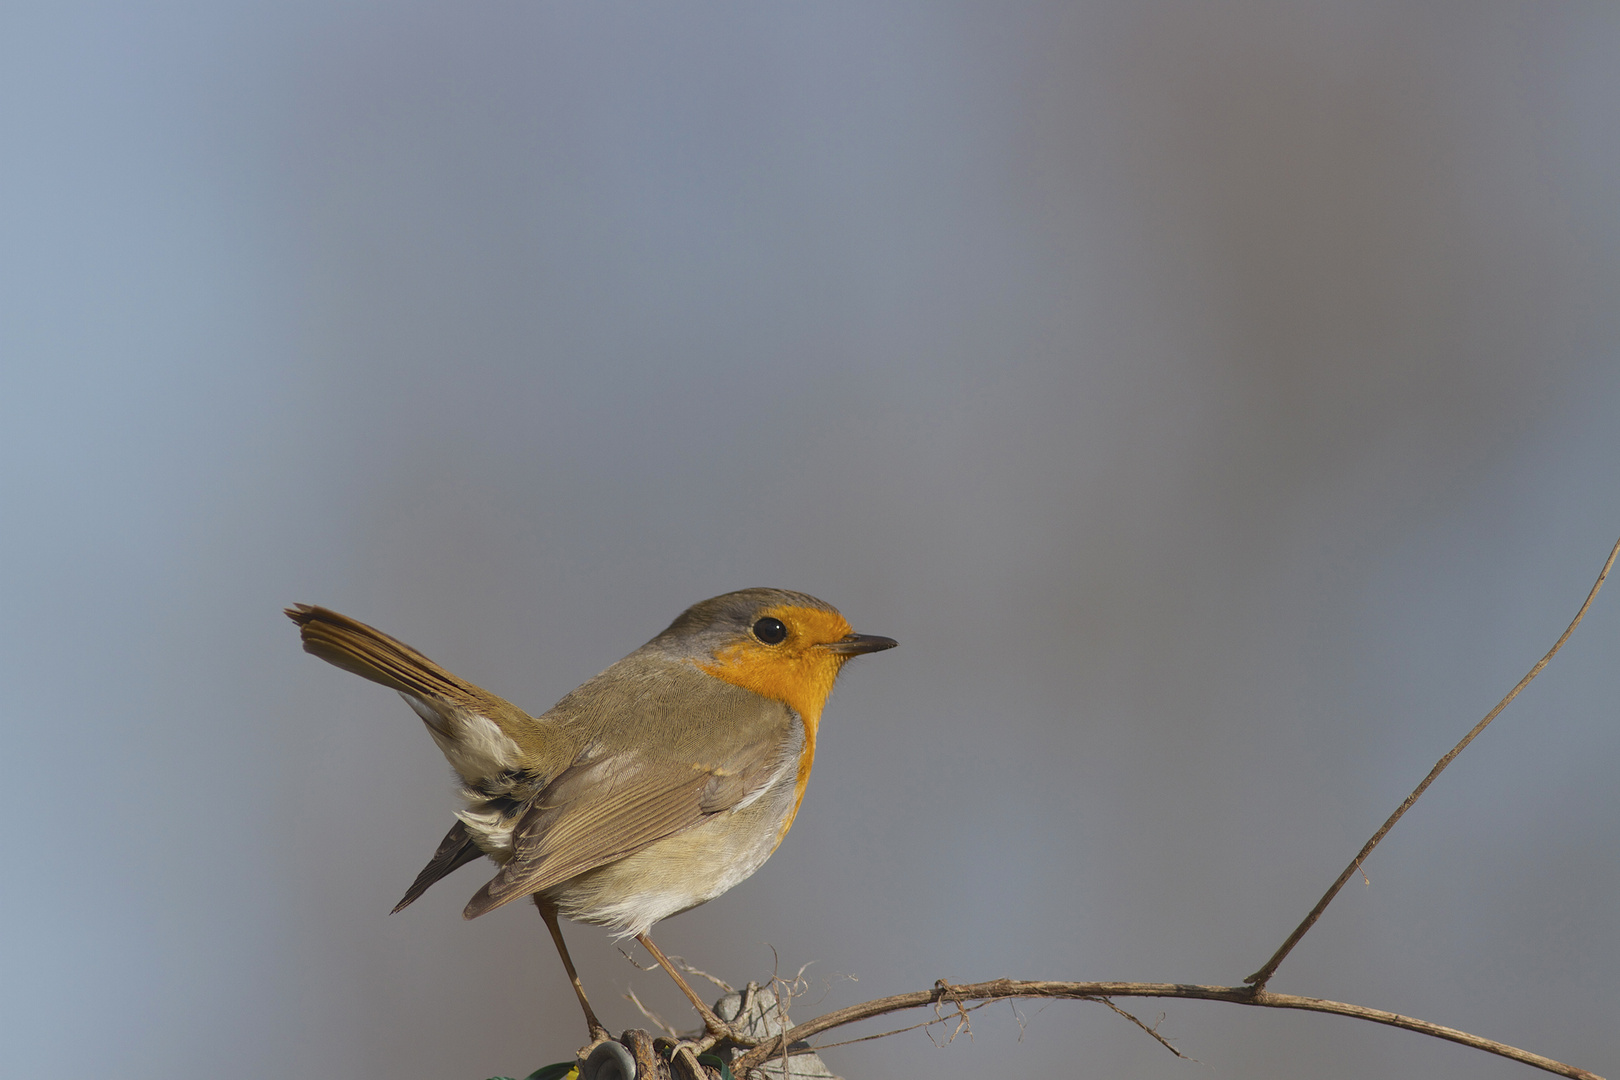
(856, 644)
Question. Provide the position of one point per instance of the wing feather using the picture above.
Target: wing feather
(600, 811)
(455, 851)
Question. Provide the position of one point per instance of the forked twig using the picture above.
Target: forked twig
(1001, 989)
(1253, 990)
(1263, 976)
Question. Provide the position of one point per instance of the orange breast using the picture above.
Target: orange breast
(798, 673)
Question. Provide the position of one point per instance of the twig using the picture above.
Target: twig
(1263, 976)
(1153, 1031)
(1252, 992)
(963, 1022)
(691, 969)
(658, 1021)
(1002, 989)
(638, 965)
(819, 1047)
(1018, 1018)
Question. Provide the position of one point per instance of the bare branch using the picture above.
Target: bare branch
(1254, 993)
(1005, 989)
(1263, 976)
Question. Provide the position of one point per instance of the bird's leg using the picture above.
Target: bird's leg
(711, 1023)
(548, 912)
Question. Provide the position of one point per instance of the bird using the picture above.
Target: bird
(650, 789)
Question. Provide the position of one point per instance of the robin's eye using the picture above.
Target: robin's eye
(770, 631)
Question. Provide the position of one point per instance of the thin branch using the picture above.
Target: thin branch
(1254, 994)
(1004, 989)
(686, 966)
(1263, 976)
(658, 1021)
(1153, 1031)
(819, 1047)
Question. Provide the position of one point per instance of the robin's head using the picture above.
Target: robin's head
(783, 645)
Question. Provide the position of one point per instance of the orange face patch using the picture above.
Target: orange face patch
(797, 672)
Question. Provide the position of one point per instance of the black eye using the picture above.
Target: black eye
(770, 631)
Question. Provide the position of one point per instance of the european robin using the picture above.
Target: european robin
(652, 788)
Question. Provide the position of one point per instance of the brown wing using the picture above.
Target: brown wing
(600, 811)
(455, 851)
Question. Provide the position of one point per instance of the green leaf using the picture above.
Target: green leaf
(563, 1070)
(717, 1062)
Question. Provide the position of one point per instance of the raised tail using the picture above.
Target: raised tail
(368, 652)
(483, 735)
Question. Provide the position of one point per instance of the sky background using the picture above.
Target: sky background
(1218, 402)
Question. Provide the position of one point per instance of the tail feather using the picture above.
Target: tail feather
(501, 753)
(371, 654)
(368, 652)
(482, 734)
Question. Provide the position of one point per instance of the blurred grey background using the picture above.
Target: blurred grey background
(1218, 402)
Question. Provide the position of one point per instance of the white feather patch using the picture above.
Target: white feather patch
(475, 747)
(491, 830)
